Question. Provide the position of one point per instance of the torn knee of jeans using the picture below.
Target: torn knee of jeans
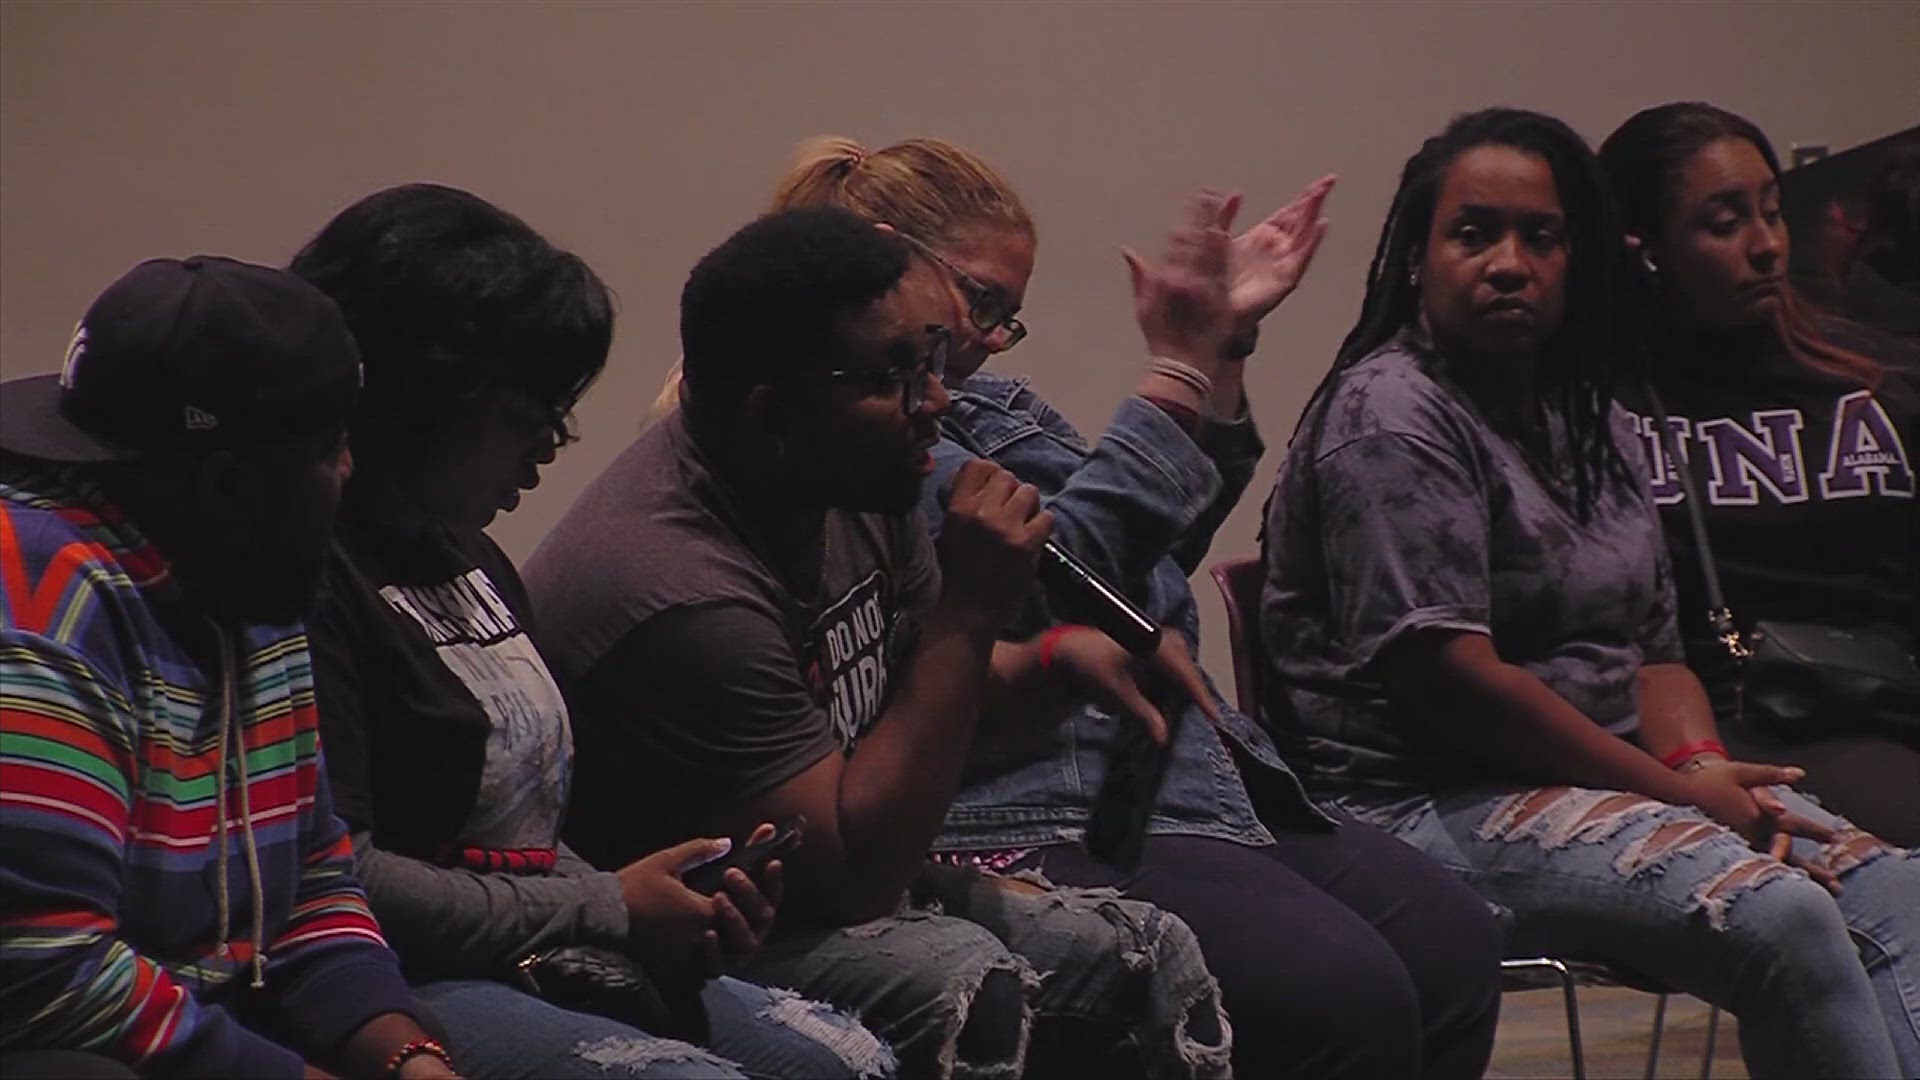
(1718, 892)
(632, 1053)
(1203, 1039)
(1558, 816)
(1032, 875)
(1672, 838)
(849, 1040)
(992, 1023)
(1851, 848)
(1185, 1015)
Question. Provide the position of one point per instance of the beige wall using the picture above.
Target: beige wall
(640, 134)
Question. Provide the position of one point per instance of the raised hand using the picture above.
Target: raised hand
(1181, 299)
(1266, 263)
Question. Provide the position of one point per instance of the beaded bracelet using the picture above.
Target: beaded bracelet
(413, 1050)
(1684, 754)
(1051, 638)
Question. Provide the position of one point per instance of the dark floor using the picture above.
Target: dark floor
(1615, 1024)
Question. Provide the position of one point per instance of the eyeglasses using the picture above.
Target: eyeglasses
(986, 305)
(912, 375)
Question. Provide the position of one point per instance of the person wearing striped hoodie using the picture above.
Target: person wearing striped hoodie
(179, 895)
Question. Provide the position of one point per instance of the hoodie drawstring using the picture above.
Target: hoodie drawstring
(229, 692)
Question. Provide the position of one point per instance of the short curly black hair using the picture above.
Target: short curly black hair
(768, 300)
(448, 295)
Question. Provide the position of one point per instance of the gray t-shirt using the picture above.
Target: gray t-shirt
(1404, 510)
(696, 676)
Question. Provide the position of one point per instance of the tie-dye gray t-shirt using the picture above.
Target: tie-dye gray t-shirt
(1409, 512)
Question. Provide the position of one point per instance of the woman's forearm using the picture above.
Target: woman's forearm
(1460, 689)
(1674, 711)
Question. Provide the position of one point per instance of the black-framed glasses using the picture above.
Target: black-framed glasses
(986, 305)
(912, 375)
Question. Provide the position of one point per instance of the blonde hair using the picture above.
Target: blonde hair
(929, 189)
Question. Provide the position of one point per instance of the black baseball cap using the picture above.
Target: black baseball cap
(189, 354)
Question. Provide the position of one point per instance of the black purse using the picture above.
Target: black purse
(610, 984)
(1798, 680)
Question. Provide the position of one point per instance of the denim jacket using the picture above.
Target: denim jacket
(1140, 508)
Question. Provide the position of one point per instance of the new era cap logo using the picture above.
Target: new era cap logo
(201, 419)
(76, 347)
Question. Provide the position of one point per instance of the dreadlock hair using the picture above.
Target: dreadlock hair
(1576, 364)
(1643, 159)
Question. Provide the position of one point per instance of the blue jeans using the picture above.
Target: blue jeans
(971, 980)
(496, 1031)
(1823, 985)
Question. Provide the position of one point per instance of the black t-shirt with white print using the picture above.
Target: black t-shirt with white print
(444, 733)
(1808, 481)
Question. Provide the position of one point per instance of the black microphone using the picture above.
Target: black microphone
(1117, 821)
(1083, 596)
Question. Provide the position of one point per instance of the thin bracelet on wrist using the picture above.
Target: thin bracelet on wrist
(1682, 756)
(411, 1050)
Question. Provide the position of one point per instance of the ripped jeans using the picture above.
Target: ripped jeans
(1823, 985)
(496, 1032)
(971, 980)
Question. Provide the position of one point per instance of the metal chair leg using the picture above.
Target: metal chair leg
(1659, 1029)
(1573, 1022)
(1713, 1033)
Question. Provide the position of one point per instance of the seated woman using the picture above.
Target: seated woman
(1800, 433)
(447, 740)
(1469, 615)
(1323, 969)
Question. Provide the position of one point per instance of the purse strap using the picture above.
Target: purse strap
(1719, 616)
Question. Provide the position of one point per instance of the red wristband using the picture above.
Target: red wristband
(1692, 750)
(413, 1050)
(1051, 638)
(1188, 419)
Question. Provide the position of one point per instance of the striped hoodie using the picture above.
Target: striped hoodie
(168, 850)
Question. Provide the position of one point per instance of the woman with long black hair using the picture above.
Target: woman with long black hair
(1470, 619)
(1800, 432)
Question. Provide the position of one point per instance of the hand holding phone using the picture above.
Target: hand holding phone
(705, 878)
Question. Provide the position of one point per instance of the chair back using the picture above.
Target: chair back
(1240, 582)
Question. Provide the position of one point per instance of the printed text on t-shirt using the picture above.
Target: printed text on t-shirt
(850, 640)
(1864, 456)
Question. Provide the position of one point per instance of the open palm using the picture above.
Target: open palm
(1267, 261)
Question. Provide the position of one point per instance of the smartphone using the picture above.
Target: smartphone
(705, 878)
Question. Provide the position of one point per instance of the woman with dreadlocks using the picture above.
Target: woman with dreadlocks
(1469, 617)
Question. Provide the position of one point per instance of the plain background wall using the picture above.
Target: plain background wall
(641, 134)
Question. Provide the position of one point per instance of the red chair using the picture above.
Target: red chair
(1240, 582)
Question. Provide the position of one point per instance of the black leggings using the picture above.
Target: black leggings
(1872, 782)
(1339, 954)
